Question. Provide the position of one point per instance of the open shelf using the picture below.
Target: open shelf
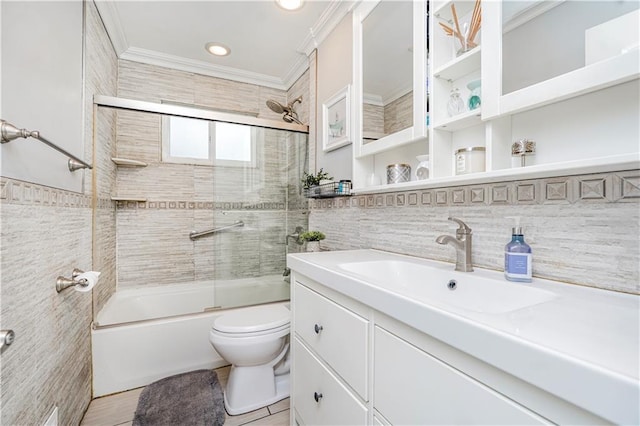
(128, 198)
(443, 11)
(460, 121)
(577, 167)
(460, 66)
(125, 162)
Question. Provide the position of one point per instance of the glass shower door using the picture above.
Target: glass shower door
(261, 188)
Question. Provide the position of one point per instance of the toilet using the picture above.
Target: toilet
(255, 341)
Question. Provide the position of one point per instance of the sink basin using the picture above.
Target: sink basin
(431, 285)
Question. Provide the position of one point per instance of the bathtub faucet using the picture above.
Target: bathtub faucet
(462, 244)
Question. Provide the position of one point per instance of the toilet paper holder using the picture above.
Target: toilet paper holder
(63, 283)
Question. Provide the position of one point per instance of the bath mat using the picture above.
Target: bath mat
(193, 398)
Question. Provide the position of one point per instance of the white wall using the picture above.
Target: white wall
(334, 70)
(41, 89)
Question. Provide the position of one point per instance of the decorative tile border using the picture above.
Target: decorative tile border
(198, 205)
(13, 191)
(604, 188)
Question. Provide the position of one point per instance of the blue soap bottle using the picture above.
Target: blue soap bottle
(517, 257)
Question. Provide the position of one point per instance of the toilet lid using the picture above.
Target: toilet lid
(256, 318)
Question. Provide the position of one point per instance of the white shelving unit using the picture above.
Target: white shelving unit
(584, 119)
(370, 159)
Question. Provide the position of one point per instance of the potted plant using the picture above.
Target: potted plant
(311, 182)
(312, 238)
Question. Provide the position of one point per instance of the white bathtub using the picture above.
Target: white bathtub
(144, 334)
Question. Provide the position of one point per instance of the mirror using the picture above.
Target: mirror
(387, 69)
(546, 39)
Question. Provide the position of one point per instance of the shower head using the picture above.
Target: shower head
(275, 106)
(288, 113)
(291, 117)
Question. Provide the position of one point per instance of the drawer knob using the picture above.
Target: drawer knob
(317, 328)
(317, 396)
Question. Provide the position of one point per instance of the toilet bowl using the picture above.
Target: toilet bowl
(255, 341)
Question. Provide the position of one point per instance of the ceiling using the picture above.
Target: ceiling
(269, 45)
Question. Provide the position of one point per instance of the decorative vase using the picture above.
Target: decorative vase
(313, 246)
(474, 97)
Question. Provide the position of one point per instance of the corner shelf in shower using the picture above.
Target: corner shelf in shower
(125, 162)
(116, 198)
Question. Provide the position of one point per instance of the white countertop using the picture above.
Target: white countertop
(585, 343)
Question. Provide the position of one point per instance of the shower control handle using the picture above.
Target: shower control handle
(317, 396)
(317, 328)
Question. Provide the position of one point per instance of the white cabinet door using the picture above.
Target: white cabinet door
(320, 397)
(338, 335)
(412, 387)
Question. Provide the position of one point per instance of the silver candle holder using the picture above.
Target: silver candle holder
(522, 148)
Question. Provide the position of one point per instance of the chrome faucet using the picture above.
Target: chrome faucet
(462, 244)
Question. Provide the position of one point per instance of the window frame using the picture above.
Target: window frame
(166, 145)
(233, 163)
(211, 141)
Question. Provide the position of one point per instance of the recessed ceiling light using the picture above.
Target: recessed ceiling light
(290, 4)
(217, 49)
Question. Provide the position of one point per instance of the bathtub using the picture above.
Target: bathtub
(144, 334)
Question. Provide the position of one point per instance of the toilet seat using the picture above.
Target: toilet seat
(240, 335)
(255, 321)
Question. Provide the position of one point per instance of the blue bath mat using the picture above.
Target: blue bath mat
(193, 398)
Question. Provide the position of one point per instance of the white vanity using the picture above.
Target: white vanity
(380, 338)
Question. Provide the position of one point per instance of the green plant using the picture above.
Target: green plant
(312, 236)
(309, 180)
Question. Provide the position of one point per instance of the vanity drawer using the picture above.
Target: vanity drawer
(434, 392)
(312, 381)
(339, 336)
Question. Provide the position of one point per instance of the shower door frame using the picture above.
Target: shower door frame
(190, 112)
(124, 104)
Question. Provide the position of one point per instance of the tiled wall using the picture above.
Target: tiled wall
(393, 117)
(153, 247)
(47, 232)
(582, 229)
(373, 118)
(398, 115)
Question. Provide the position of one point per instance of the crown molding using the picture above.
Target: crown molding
(379, 100)
(396, 94)
(111, 20)
(151, 57)
(296, 70)
(371, 99)
(329, 19)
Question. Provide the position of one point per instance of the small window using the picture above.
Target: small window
(192, 141)
(185, 140)
(234, 145)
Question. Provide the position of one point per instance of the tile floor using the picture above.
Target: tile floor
(118, 409)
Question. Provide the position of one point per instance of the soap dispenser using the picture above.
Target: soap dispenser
(517, 256)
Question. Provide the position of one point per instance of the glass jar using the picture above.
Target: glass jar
(455, 105)
(422, 171)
